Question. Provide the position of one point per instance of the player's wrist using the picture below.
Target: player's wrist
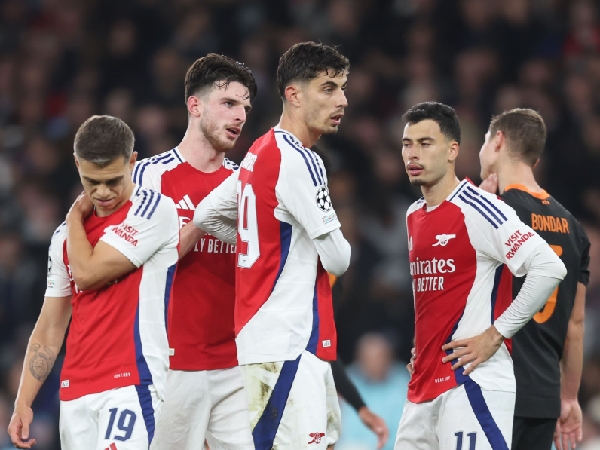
(497, 337)
(21, 403)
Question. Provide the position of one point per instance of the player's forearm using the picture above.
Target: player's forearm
(189, 236)
(572, 360)
(80, 252)
(208, 219)
(334, 251)
(545, 272)
(40, 357)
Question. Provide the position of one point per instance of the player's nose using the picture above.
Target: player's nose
(343, 101)
(102, 191)
(241, 115)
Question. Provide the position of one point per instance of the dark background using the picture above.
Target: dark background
(64, 60)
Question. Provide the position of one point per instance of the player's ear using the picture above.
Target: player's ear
(76, 160)
(499, 140)
(535, 164)
(293, 94)
(453, 151)
(194, 106)
(132, 160)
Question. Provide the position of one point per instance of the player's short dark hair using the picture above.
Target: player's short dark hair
(443, 115)
(219, 69)
(102, 139)
(307, 60)
(525, 132)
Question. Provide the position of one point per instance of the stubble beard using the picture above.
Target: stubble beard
(418, 182)
(210, 132)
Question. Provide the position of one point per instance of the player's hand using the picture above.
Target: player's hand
(18, 428)
(473, 350)
(376, 424)
(411, 365)
(568, 426)
(490, 184)
(81, 208)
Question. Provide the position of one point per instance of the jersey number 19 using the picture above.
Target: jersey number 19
(248, 225)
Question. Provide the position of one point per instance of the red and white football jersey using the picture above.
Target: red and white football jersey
(201, 334)
(458, 254)
(283, 295)
(118, 335)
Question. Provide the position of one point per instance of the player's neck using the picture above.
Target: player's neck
(520, 174)
(199, 153)
(299, 129)
(438, 192)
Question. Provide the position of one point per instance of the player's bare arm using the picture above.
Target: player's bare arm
(568, 426)
(44, 344)
(91, 267)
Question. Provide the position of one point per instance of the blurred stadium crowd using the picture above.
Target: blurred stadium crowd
(64, 60)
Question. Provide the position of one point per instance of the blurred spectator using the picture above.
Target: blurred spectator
(383, 384)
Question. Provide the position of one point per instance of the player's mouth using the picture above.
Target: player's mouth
(104, 203)
(414, 170)
(233, 132)
(337, 118)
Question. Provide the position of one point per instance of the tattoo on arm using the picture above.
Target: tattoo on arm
(41, 362)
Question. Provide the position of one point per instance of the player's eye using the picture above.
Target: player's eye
(230, 104)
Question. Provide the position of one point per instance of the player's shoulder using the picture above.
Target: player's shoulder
(147, 204)
(230, 165)
(481, 206)
(156, 165)
(298, 160)
(60, 234)
(415, 206)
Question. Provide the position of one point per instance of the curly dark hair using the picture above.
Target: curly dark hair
(220, 69)
(443, 115)
(306, 61)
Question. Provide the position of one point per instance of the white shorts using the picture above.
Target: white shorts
(463, 418)
(293, 404)
(207, 404)
(119, 419)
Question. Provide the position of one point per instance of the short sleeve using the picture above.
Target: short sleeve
(58, 283)
(302, 189)
(150, 225)
(506, 238)
(145, 175)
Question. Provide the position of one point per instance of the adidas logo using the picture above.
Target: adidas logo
(185, 203)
